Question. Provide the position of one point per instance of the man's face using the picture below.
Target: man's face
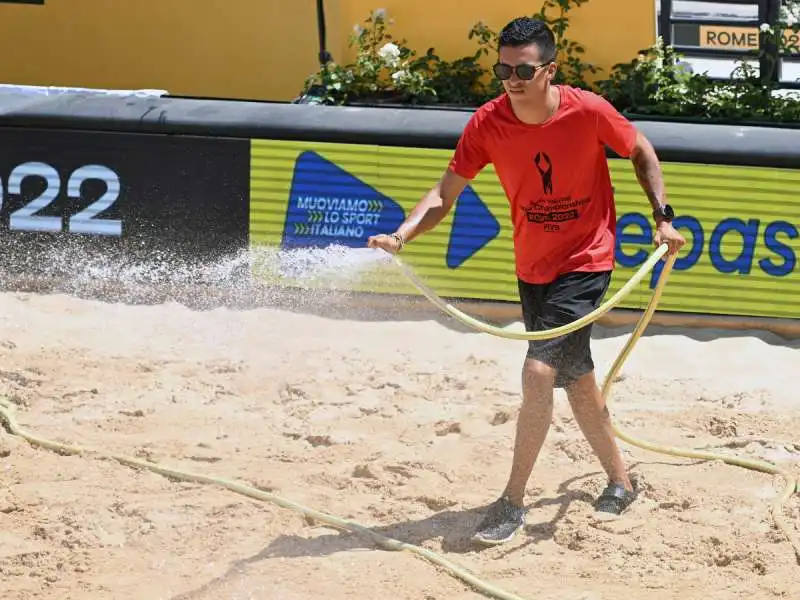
(531, 90)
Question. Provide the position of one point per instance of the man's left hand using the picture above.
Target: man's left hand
(667, 234)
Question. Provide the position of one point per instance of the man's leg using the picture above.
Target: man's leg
(533, 423)
(506, 516)
(579, 294)
(593, 418)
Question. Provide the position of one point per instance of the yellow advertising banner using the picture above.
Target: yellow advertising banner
(742, 224)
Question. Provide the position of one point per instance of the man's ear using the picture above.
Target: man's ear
(552, 68)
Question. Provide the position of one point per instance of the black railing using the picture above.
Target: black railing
(677, 31)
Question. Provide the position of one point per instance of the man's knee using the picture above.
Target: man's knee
(583, 393)
(536, 372)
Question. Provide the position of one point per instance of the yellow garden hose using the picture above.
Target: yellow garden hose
(478, 325)
(8, 417)
(9, 420)
(658, 254)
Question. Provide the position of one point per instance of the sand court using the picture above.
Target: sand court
(400, 420)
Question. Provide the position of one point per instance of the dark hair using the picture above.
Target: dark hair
(523, 31)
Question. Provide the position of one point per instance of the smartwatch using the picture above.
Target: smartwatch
(664, 213)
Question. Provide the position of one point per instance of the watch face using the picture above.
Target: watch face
(668, 212)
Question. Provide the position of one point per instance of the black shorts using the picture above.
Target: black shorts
(561, 302)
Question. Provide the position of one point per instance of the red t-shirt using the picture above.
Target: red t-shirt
(556, 178)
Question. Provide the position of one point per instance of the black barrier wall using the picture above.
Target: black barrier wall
(138, 196)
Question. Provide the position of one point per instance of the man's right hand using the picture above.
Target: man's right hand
(385, 242)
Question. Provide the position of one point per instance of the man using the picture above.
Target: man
(547, 144)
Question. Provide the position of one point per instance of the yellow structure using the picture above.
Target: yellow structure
(612, 31)
(259, 49)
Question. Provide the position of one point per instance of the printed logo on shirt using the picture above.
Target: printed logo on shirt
(552, 212)
(545, 167)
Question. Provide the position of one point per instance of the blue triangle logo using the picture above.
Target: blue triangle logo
(329, 206)
(474, 226)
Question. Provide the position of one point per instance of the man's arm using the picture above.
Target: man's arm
(617, 132)
(427, 214)
(648, 171)
(434, 206)
(469, 158)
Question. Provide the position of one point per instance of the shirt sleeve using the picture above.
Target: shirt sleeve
(613, 129)
(470, 156)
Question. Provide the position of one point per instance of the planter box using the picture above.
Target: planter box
(393, 103)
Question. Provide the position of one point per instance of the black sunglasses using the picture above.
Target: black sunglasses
(504, 71)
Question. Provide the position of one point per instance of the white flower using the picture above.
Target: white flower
(765, 28)
(379, 13)
(790, 12)
(358, 29)
(398, 75)
(390, 53)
